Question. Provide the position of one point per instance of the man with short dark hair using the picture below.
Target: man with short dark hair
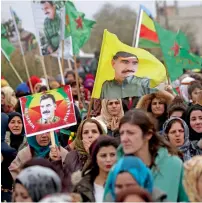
(125, 83)
(47, 108)
(51, 25)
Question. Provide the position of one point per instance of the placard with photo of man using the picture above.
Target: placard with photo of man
(48, 111)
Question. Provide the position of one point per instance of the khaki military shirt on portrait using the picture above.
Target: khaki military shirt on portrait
(131, 87)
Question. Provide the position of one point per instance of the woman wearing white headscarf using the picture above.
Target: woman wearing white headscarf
(111, 114)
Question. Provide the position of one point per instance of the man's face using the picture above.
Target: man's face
(49, 10)
(47, 108)
(125, 67)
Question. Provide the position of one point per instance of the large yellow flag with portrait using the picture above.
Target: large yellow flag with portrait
(149, 66)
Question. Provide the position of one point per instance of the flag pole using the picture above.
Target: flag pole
(90, 107)
(77, 79)
(46, 77)
(18, 76)
(69, 64)
(63, 48)
(61, 71)
(22, 52)
(11, 65)
(44, 71)
(135, 29)
(138, 29)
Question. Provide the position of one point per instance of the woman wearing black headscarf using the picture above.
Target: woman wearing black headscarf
(17, 138)
(8, 155)
(194, 121)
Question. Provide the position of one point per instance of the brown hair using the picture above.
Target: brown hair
(156, 96)
(78, 141)
(142, 119)
(142, 193)
(193, 86)
(177, 104)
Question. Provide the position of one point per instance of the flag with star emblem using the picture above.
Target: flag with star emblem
(175, 49)
(77, 26)
(48, 111)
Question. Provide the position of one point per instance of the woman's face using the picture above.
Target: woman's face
(124, 181)
(194, 94)
(131, 138)
(157, 107)
(196, 120)
(114, 107)
(43, 139)
(21, 194)
(15, 125)
(199, 186)
(106, 158)
(2, 98)
(90, 132)
(176, 134)
(70, 78)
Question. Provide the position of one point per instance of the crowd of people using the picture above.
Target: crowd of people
(123, 151)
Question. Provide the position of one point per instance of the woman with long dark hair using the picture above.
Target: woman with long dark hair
(103, 157)
(139, 138)
(77, 160)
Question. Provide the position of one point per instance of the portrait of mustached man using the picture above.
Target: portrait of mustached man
(47, 108)
(52, 25)
(125, 83)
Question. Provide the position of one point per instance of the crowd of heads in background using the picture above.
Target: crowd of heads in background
(146, 151)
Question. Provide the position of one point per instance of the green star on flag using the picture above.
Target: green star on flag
(175, 48)
(77, 26)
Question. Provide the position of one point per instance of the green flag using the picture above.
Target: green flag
(169, 49)
(6, 47)
(77, 27)
(175, 48)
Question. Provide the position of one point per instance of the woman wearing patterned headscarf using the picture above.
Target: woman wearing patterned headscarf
(193, 179)
(111, 114)
(34, 183)
(176, 132)
(130, 171)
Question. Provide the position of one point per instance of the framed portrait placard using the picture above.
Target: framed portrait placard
(48, 111)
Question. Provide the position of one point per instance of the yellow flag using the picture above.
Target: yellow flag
(149, 66)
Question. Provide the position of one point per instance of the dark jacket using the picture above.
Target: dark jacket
(63, 134)
(73, 163)
(8, 154)
(85, 189)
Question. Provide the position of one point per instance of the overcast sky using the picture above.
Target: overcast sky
(24, 11)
